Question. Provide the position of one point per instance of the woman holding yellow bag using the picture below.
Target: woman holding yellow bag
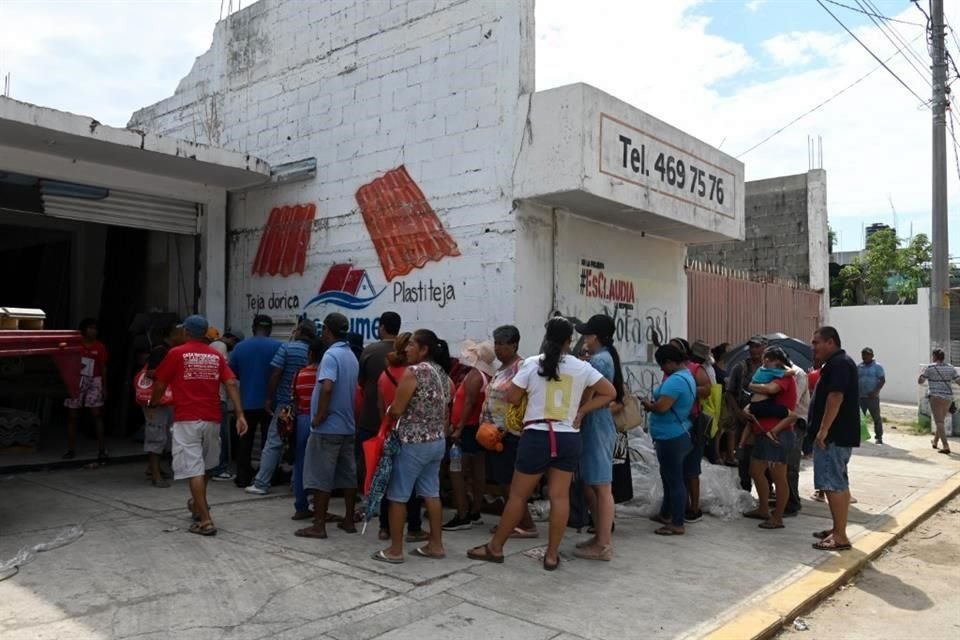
(508, 419)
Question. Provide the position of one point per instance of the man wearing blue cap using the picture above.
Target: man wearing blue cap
(194, 371)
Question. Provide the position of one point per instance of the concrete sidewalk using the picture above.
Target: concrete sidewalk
(137, 573)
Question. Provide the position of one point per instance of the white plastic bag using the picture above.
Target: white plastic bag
(28, 554)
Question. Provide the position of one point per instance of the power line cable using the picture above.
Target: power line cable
(881, 27)
(924, 62)
(822, 104)
(875, 15)
(870, 51)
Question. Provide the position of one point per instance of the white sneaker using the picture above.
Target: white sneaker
(256, 491)
(223, 477)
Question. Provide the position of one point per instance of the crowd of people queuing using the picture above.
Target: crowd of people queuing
(492, 417)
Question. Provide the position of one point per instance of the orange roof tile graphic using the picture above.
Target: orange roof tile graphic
(405, 230)
(286, 237)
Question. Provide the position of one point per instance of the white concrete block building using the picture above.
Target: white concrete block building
(445, 187)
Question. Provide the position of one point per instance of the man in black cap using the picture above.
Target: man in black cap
(289, 359)
(250, 360)
(737, 398)
(330, 462)
(373, 360)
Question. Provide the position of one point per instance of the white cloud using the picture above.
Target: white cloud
(754, 5)
(802, 48)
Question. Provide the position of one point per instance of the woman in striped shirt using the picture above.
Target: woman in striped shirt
(940, 377)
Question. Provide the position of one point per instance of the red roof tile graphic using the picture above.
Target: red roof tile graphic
(405, 230)
(286, 237)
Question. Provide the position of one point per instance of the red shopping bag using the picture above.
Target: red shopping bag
(373, 451)
(143, 389)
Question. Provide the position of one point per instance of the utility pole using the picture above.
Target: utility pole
(940, 276)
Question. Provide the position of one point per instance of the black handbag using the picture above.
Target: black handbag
(622, 485)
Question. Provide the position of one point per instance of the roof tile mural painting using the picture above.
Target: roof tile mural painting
(286, 236)
(405, 230)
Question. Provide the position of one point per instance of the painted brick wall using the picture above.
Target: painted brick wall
(436, 86)
(777, 239)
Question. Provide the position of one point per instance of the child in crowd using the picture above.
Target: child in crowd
(763, 405)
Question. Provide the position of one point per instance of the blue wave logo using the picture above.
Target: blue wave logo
(343, 299)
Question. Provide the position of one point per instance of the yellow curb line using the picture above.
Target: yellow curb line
(765, 619)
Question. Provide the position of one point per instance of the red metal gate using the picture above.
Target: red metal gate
(728, 306)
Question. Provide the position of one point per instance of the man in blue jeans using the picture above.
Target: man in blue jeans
(251, 360)
(288, 360)
(871, 377)
(835, 418)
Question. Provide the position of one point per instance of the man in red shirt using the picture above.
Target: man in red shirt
(195, 371)
(93, 393)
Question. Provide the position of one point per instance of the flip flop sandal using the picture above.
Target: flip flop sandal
(524, 534)
(770, 525)
(550, 567)
(487, 555)
(423, 553)
(756, 515)
(203, 529)
(667, 531)
(309, 532)
(380, 556)
(823, 535)
(945, 452)
(830, 545)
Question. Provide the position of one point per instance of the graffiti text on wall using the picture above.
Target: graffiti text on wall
(595, 283)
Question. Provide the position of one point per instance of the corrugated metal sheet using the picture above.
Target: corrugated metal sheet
(405, 230)
(286, 238)
(723, 307)
(124, 209)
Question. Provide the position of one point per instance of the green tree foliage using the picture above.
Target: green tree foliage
(887, 273)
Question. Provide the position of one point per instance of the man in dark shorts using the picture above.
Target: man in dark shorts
(329, 460)
(835, 418)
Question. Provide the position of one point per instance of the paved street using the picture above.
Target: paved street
(136, 573)
(910, 591)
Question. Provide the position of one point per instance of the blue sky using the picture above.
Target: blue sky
(727, 71)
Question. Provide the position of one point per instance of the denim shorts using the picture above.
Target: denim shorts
(830, 468)
(533, 452)
(416, 466)
(500, 465)
(329, 463)
(769, 451)
(598, 438)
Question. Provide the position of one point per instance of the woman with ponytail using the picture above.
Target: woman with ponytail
(421, 407)
(561, 390)
(599, 436)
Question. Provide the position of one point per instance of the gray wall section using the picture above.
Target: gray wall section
(777, 232)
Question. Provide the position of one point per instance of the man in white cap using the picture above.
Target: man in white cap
(194, 371)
